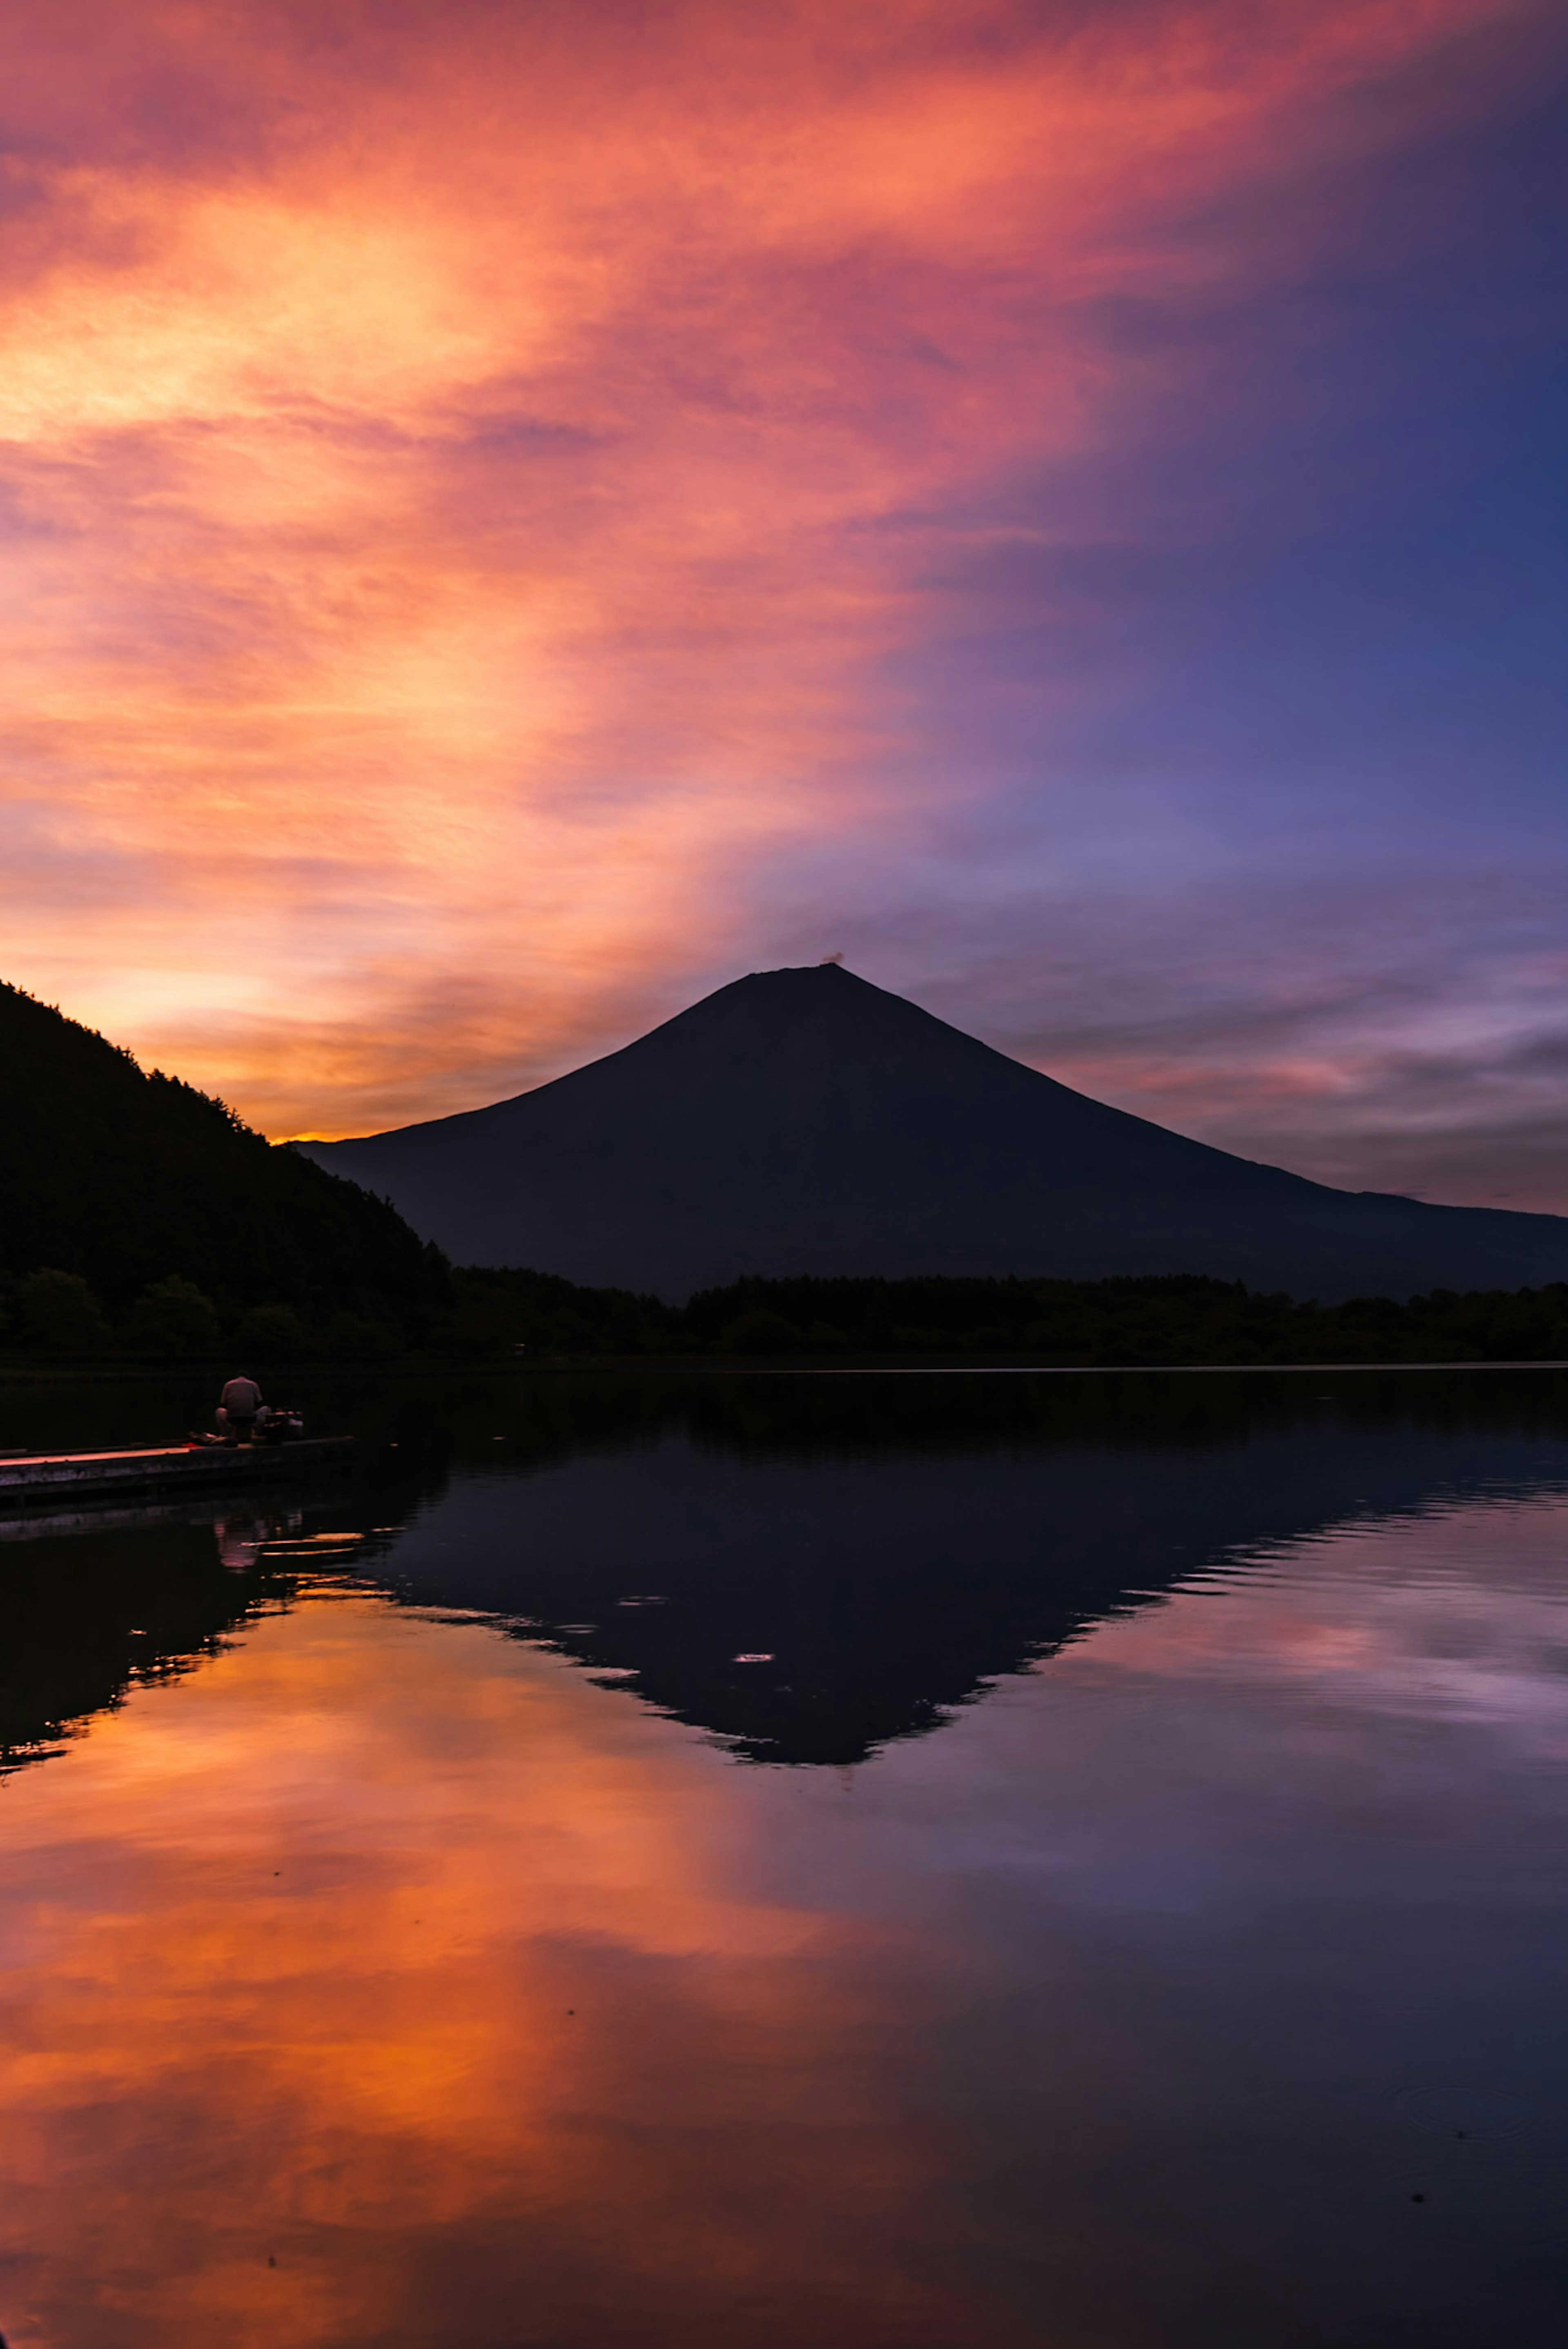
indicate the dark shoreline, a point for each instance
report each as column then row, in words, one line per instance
column 722, row 1366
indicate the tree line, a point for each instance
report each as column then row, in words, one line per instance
column 1160, row 1320
column 57, row 1315
column 520, row 1317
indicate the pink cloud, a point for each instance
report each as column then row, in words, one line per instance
column 451, row 458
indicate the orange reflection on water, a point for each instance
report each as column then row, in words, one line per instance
column 385, row 1982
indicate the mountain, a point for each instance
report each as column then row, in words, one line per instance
column 887, row 1551
column 803, row 1120
column 125, row 1178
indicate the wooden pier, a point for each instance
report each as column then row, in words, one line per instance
column 28, row 1476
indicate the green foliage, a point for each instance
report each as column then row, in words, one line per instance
column 354, row 1338
column 508, row 1314
column 172, row 1317
column 274, row 1331
column 761, row 1332
column 116, row 1175
column 56, row 1313
column 1157, row 1322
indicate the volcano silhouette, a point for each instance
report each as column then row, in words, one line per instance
column 803, row 1120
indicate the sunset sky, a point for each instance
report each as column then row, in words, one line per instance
column 518, row 513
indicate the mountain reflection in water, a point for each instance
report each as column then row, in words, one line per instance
column 382, row 1966
column 875, row 1587
column 879, row 1551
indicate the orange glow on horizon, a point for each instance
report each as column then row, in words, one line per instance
column 468, row 505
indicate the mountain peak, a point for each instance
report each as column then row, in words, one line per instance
column 804, row 1120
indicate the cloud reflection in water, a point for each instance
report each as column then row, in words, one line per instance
column 385, row 1980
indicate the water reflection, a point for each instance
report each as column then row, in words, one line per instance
column 807, row 1605
column 93, row 1601
column 387, row 1980
column 806, row 1568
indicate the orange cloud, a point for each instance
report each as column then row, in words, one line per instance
column 453, row 460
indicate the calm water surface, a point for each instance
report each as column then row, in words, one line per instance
column 748, row 1863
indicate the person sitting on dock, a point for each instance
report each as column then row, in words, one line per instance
column 240, row 1408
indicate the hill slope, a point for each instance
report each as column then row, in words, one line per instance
column 803, row 1120
column 124, row 1178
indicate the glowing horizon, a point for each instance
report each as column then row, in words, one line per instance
column 517, row 520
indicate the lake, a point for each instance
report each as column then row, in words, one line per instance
column 883, row 1862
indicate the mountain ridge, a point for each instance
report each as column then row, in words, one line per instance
column 121, row 1177
column 804, row 1121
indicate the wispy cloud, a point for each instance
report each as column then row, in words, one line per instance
column 515, row 516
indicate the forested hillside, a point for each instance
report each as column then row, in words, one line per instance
column 1097, row 1323
column 124, row 1179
